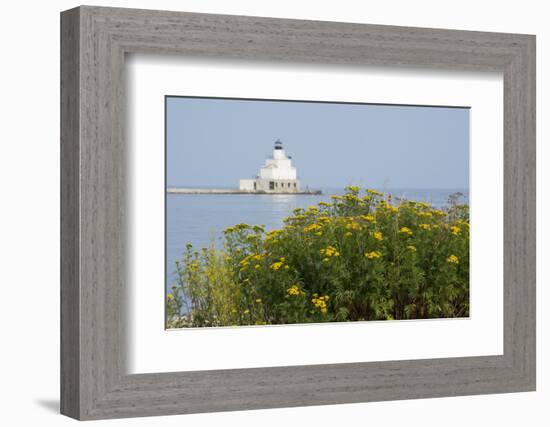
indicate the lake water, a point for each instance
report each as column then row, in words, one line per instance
column 200, row 219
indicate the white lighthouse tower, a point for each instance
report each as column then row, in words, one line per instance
column 276, row 176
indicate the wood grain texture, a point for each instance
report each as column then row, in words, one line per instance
column 70, row 292
column 94, row 382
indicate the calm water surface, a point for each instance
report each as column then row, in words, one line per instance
column 200, row 219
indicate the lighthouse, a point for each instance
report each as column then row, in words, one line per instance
column 276, row 176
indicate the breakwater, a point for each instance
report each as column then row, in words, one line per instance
column 178, row 190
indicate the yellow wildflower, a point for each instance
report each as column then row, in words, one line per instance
column 312, row 227
column 170, row 297
column 259, row 300
column 294, row 290
column 351, row 198
column 352, row 225
column 245, row 260
column 272, row 234
column 452, row 259
column 455, row 230
column 405, row 230
column 373, row 254
column 329, row 251
column 378, row 235
column 411, row 248
column 369, row 218
column 320, row 303
column 424, row 226
column 313, row 209
column 324, row 219
column 276, row 265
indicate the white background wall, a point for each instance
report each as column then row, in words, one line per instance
column 29, row 213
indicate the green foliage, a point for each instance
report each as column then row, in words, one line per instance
column 361, row 257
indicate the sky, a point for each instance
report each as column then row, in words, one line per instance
column 215, row 142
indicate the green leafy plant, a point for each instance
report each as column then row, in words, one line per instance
column 360, row 257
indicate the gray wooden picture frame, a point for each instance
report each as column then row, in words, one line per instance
column 94, row 381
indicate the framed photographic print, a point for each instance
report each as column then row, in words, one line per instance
column 262, row 213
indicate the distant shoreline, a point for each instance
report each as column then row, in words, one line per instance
column 177, row 190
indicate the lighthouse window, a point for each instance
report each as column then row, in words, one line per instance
column 294, row 185
column 271, row 185
column 289, row 185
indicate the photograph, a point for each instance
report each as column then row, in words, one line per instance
column 304, row 212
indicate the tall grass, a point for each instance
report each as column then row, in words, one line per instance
column 362, row 257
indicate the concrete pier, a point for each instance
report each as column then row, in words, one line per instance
column 178, row 190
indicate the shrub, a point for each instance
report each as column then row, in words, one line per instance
column 361, row 257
